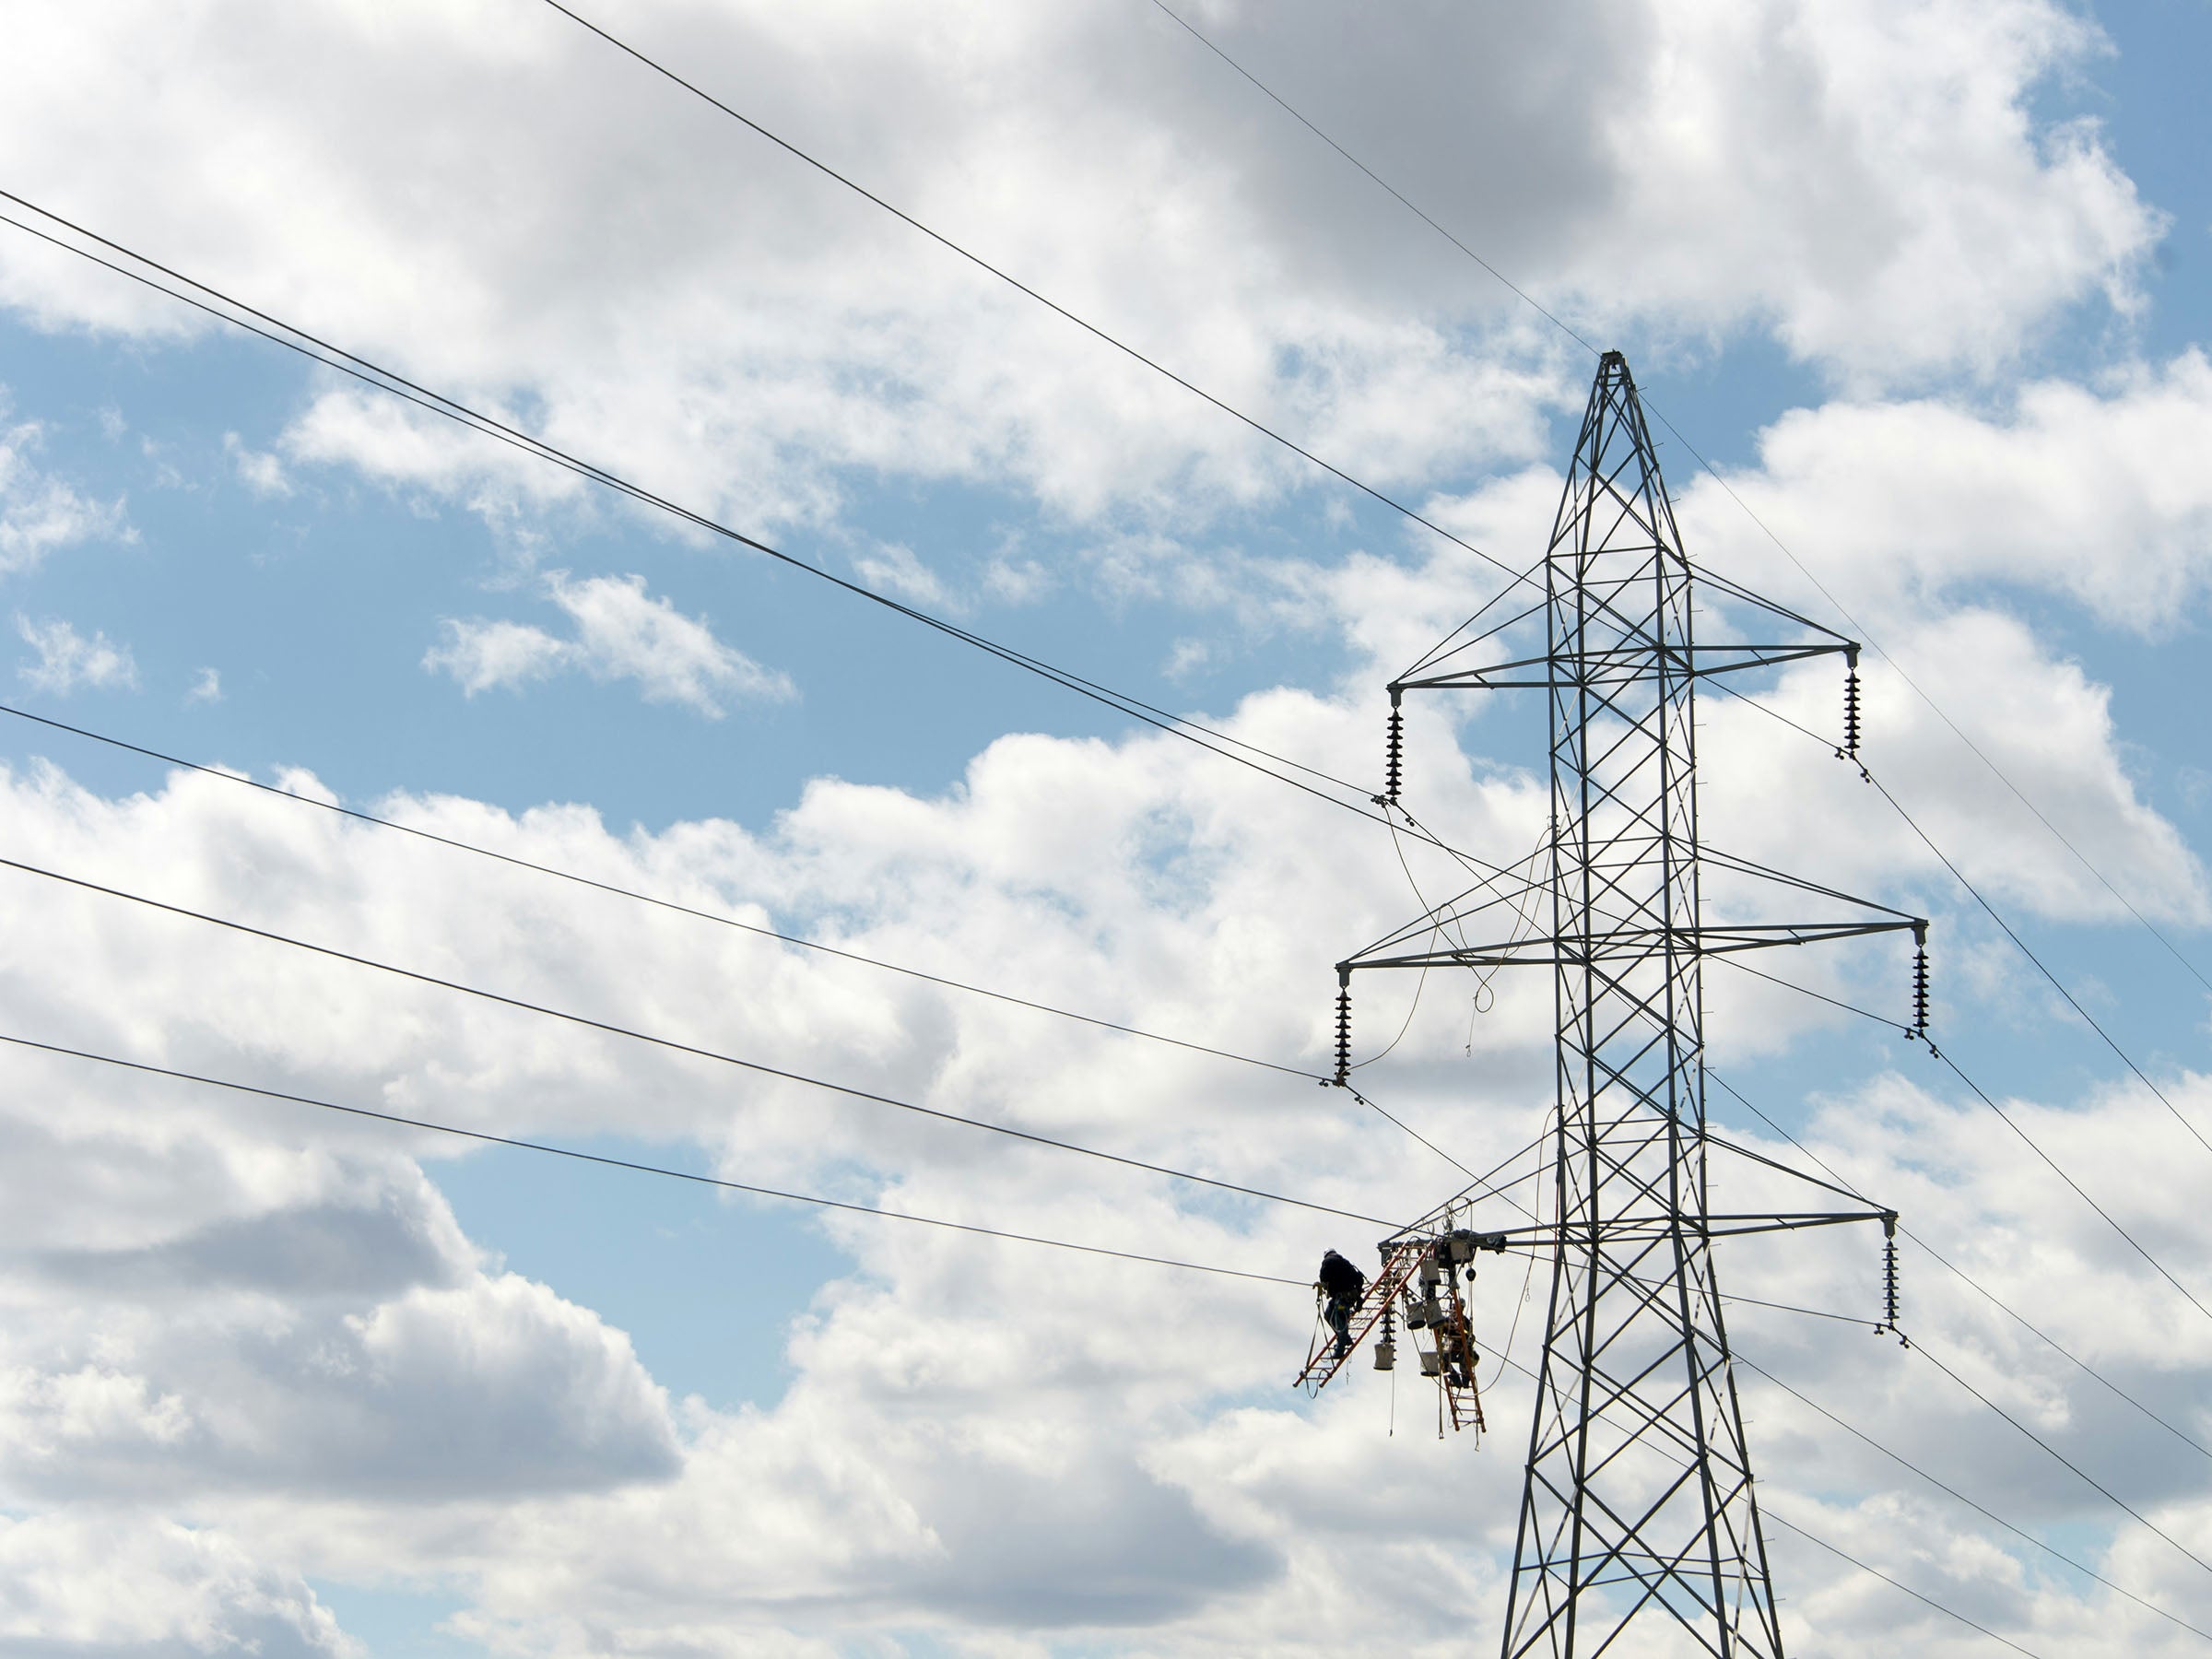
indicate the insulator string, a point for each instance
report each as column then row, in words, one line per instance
column 1850, row 751
column 1889, row 1299
column 1920, row 982
column 1393, row 750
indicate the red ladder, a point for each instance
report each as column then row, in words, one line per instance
column 1322, row 1361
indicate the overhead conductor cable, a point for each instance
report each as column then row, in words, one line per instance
column 369, row 373
column 642, row 1168
column 675, row 1046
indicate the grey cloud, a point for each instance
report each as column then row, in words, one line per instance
column 143, row 1193
column 1491, row 116
column 1100, row 1545
column 495, row 1390
column 327, row 1251
column 1879, row 196
column 868, row 1498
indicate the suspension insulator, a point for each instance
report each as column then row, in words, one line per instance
column 1394, row 752
column 1344, row 1038
column 1889, row 1287
column 1851, row 715
column 1920, row 980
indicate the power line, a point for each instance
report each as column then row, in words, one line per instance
column 642, row 1169
column 1519, row 292
column 2088, row 1019
column 1018, row 285
column 1767, row 1513
column 2033, row 1146
column 1415, row 1133
column 1833, row 1002
column 675, row 1046
column 1956, row 730
column 668, row 904
column 2054, row 1344
column 486, row 1137
column 2042, row 966
column 1001, row 1129
column 1715, row 473
column 2016, row 1423
column 1156, row 1168
column 1754, row 1302
column 2057, row 1456
column 680, row 909
column 996, row 1233
column 1988, row 1515
column 387, row 381
column 1894, row 1583
column 1975, row 1284
column 2078, row 1190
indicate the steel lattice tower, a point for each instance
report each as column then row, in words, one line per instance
column 1638, row 1505
column 1635, row 1346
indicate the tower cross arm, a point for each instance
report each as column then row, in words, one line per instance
column 1627, row 660
column 1627, row 943
column 1661, row 1224
column 1723, row 1227
column 1721, row 937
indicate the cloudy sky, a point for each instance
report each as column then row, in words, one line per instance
column 1925, row 281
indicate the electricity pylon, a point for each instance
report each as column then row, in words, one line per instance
column 1638, row 1506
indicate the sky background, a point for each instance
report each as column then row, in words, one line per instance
column 1925, row 281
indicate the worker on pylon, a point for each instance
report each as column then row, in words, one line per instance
column 1344, row 1284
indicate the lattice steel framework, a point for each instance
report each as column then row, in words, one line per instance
column 1637, row 1506
column 1624, row 1362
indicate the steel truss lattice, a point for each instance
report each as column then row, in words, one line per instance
column 1637, row 1506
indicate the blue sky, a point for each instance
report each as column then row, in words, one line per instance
column 1929, row 290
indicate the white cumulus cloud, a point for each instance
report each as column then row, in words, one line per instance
column 261, row 472
column 481, row 656
column 218, row 1319
column 245, row 1347
column 1873, row 185
column 620, row 633
column 2095, row 494
column 67, row 661
column 101, row 1582
column 40, row 512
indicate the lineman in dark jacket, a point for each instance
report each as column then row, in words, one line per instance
column 1344, row 1284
